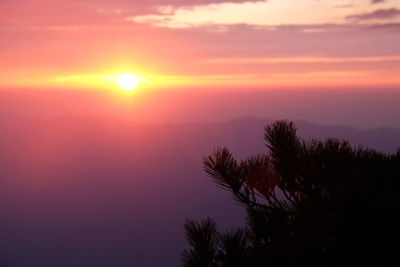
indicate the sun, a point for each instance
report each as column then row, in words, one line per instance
column 128, row 81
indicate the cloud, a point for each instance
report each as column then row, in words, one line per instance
column 264, row 13
column 150, row 5
column 380, row 14
column 377, row 1
column 256, row 13
column 387, row 26
column 278, row 60
column 199, row 2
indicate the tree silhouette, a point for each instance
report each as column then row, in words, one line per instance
column 308, row 203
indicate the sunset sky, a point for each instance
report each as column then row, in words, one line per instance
column 202, row 43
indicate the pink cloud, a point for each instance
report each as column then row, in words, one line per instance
column 377, row 14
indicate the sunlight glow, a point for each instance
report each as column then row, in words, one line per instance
column 128, row 81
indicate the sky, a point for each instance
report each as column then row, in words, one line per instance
column 200, row 43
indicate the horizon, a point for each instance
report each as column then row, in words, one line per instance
column 357, row 108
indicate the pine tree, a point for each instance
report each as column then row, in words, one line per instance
column 308, row 203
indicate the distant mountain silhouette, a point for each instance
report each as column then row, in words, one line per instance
column 358, row 107
column 93, row 191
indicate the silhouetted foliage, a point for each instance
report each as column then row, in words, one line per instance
column 203, row 237
column 309, row 203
